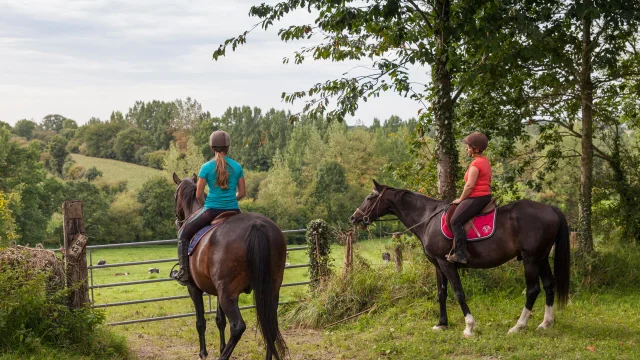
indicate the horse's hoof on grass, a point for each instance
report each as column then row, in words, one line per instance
column 468, row 334
column 545, row 326
column 515, row 329
column 439, row 327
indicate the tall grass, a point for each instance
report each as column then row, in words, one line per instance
column 370, row 286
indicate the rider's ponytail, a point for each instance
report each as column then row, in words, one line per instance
column 222, row 174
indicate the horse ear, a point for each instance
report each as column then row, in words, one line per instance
column 176, row 179
column 377, row 186
column 194, row 178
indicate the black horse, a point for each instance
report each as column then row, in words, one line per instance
column 523, row 228
column 245, row 253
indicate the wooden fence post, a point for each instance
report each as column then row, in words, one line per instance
column 348, row 252
column 398, row 257
column 397, row 250
column 75, row 259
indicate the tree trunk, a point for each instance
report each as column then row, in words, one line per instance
column 628, row 205
column 446, row 150
column 586, row 168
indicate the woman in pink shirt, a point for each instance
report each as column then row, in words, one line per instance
column 475, row 196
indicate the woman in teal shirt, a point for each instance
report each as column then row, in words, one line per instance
column 225, row 178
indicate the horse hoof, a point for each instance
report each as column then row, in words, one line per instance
column 545, row 326
column 515, row 329
column 467, row 334
column 439, row 327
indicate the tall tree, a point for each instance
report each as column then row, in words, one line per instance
column 4, row 125
column 53, row 122
column 58, row 152
column 25, row 128
column 456, row 39
column 589, row 51
column 183, row 163
column 35, row 195
column 156, row 198
column 156, row 118
column 128, row 142
column 188, row 114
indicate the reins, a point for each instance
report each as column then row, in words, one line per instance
column 366, row 217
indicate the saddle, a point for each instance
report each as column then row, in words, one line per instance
column 209, row 228
column 223, row 217
column 491, row 206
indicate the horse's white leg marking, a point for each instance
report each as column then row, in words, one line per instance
column 522, row 322
column 439, row 327
column 471, row 324
column 548, row 318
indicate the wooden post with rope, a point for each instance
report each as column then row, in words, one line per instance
column 348, row 251
column 398, row 252
column 75, row 260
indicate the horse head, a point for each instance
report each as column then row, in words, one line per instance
column 184, row 198
column 373, row 207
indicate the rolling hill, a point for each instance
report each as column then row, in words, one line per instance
column 114, row 170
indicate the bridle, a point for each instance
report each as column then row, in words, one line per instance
column 366, row 216
column 178, row 222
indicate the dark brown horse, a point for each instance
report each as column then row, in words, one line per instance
column 523, row 228
column 247, row 252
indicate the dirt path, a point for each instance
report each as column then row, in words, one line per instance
column 303, row 345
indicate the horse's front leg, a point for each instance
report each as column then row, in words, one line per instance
column 450, row 272
column 443, row 323
column 201, row 323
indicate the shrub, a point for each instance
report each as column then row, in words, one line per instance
column 33, row 315
column 92, row 174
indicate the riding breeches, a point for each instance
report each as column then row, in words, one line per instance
column 199, row 220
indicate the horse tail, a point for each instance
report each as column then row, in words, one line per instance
column 561, row 260
column 266, row 299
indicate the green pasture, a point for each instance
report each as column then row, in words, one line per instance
column 598, row 323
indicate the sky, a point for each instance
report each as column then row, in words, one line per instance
column 87, row 58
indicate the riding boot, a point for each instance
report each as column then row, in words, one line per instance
column 461, row 245
column 183, row 257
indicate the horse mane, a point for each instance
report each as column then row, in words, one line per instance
column 401, row 192
column 188, row 194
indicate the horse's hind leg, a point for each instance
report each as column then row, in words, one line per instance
column 201, row 323
column 450, row 272
column 221, row 321
column 230, row 307
column 548, row 284
column 531, row 275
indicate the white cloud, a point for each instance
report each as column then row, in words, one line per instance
column 88, row 58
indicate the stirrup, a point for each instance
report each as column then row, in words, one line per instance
column 175, row 275
column 452, row 258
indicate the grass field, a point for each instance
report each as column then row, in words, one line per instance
column 114, row 170
column 370, row 249
column 601, row 324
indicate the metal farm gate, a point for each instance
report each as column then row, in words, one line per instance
column 93, row 286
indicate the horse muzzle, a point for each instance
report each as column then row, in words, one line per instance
column 365, row 220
